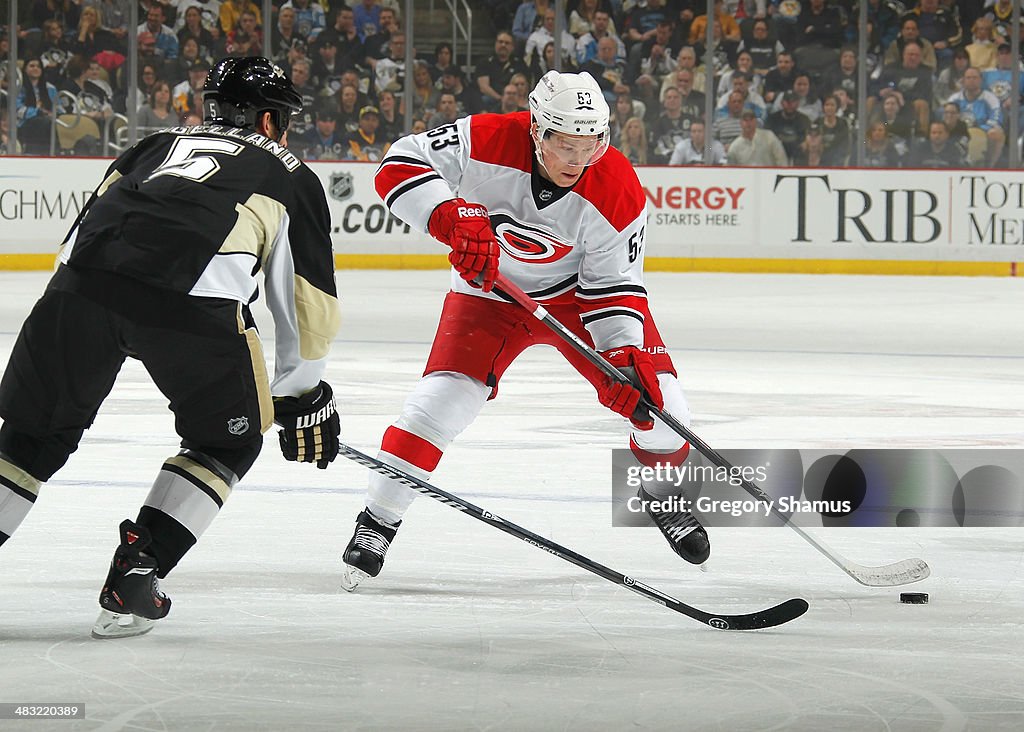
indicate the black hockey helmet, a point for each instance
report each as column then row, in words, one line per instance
column 238, row 90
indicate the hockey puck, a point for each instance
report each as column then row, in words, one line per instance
column 914, row 598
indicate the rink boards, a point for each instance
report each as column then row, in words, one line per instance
column 965, row 222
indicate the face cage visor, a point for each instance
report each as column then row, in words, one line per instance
column 574, row 150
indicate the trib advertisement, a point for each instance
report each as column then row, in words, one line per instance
column 835, row 214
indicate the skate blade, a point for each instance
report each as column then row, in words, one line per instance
column 352, row 578
column 120, row 625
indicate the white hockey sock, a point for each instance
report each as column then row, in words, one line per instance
column 189, row 493
column 441, row 406
column 388, row 500
column 18, row 492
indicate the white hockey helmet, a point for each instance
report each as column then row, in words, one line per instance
column 571, row 104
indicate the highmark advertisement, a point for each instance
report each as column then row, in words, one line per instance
column 695, row 213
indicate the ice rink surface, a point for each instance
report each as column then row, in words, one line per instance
column 469, row 629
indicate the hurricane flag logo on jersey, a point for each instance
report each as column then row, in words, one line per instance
column 526, row 243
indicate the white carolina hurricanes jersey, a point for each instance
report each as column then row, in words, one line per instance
column 557, row 244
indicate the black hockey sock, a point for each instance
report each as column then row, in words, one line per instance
column 171, row 540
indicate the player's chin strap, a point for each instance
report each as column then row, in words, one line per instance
column 539, row 153
column 899, row 573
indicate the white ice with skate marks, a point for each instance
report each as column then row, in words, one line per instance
column 467, row 628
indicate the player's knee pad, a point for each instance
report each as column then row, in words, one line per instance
column 441, row 406
column 663, row 439
column 230, row 463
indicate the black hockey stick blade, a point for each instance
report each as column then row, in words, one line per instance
column 777, row 615
column 903, row 572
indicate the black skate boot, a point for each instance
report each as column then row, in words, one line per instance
column 364, row 555
column 131, row 598
column 682, row 530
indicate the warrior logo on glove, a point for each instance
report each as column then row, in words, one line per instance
column 311, row 420
column 310, row 426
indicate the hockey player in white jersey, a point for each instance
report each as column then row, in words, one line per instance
column 539, row 196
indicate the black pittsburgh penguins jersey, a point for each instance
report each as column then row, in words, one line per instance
column 201, row 210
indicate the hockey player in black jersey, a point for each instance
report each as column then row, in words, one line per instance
column 160, row 266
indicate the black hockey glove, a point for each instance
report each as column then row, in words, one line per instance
column 310, row 426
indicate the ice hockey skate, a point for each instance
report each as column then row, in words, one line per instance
column 364, row 555
column 131, row 598
column 681, row 529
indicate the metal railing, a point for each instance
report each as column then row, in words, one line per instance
column 12, row 75
column 120, row 135
column 460, row 29
column 67, row 105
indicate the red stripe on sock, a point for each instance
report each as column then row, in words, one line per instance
column 654, row 459
column 411, row 448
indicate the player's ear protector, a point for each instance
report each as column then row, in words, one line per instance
column 219, row 111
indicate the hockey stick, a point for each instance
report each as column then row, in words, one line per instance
column 903, row 572
column 777, row 615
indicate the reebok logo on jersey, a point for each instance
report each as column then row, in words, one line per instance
column 310, row 420
column 467, row 211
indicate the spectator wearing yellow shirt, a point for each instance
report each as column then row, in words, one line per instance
column 231, row 12
column 730, row 28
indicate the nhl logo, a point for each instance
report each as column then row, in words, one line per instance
column 340, row 186
column 238, row 425
column 545, row 195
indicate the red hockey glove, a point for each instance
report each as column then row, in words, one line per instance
column 637, row 366
column 466, row 228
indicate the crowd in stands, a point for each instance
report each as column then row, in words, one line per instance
column 784, row 74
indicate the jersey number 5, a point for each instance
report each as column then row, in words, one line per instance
column 188, row 158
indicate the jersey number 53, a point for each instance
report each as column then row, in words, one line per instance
column 444, row 136
column 636, row 243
